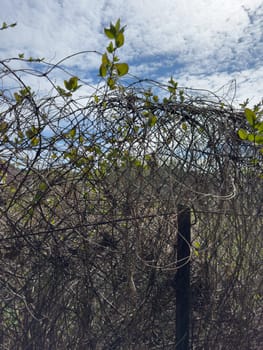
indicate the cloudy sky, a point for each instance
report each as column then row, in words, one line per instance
column 204, row 44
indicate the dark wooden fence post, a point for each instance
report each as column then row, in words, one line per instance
column 182, row 278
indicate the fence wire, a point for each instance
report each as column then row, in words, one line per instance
column 90, row 188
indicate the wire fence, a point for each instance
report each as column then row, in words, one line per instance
column 90, row 188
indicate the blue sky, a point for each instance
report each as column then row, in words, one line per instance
column 204, row 44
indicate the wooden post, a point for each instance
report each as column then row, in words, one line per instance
column 182, row 278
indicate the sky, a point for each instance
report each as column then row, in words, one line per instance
column 215, row 45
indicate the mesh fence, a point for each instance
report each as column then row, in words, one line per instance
column 90, row 188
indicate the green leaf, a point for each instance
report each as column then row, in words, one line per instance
column 184, row 126
column 111, row 83
column 63, row 92
column 110, row 48
column 119, row 41
column 244, row 104
column 37, row 196
column 35, row 141
column 5, row 25
column 113, row 30
column 3, row 126
column 74, row 83
column 20, row 134
column 103, row 70
column 32, row 132
column 42, row 186
column 259, row 139
column 137, row 163
column 243, row 135
column 251, row 116
column 152, row 120
column 72, row 133
column 21, row 55
column 109, row 33
column 118, row 25
column 251, row 137
column 67, row 85
column 197, row 244
column 71, row 84
column 122, row 68
column 259, row 126
column 173, row 82
column 18, row 97
column 26, row 91
column 254, row 161
column 172, row 90
column 104, row 59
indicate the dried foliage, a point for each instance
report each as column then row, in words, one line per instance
column 89, row 193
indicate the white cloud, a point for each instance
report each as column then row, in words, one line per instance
column 203, row 42
column 236, row 87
